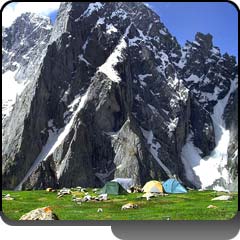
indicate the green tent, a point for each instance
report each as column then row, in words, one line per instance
column 112, row 188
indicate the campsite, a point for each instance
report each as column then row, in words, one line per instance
column 174, row 203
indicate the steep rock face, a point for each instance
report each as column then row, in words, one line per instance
column 111, row 99
column 24, row 45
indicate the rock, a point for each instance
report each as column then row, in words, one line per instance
column 79, row 188
column 103, row 197
column 222, row 198
column 7, row 197
column 99, row 210
column 44, row 213
column 49, row 190
column 212, row 206
column 87, row 198
column 64, row 191
column 129, row 206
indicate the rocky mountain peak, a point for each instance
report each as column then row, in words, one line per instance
column 31, row 18
column 205, row 40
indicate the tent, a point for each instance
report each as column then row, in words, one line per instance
column 173, row 186
column 125, row 182
column 153, row 186
column 112, row 188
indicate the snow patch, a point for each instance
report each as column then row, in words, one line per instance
column 162, row 32
column 173, row 83
column 81, row 58
column 142, row 77
column 196, row 43
column 101, row 21
column 119, row 13
column 110, row 29
column 172, row 125
column 215, row 51
column 11, row 89
column 193, row 78
column 117, row 56
column 91, row 8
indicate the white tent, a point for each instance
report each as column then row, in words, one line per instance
column 125, row 182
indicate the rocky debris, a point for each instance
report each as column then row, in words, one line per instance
column 7, row 197
column 129, row 206
column 44, row 213
column 64, row 191
column 87, row 198
column 222, row 198
column 212, row 206
column 102, row 197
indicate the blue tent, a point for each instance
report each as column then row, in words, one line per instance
column 173, row 186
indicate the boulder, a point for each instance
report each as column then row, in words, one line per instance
column 44, row 213
column 8, row 197
column 212, row 206
column 129, row 206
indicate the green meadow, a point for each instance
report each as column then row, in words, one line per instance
column 190, row 206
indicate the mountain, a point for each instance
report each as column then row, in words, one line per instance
column 23, row 46
column 113, row 94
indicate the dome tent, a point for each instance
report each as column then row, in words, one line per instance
column 173, row 186
column 153, row 186
column 112, row 188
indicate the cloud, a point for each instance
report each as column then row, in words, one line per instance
column 14, row 10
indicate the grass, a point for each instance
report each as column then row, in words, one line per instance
column 190, row 206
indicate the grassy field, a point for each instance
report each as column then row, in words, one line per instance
column 189, row 206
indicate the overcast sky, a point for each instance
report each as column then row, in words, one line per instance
column 183, row 19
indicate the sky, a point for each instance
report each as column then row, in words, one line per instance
column 183, row 19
